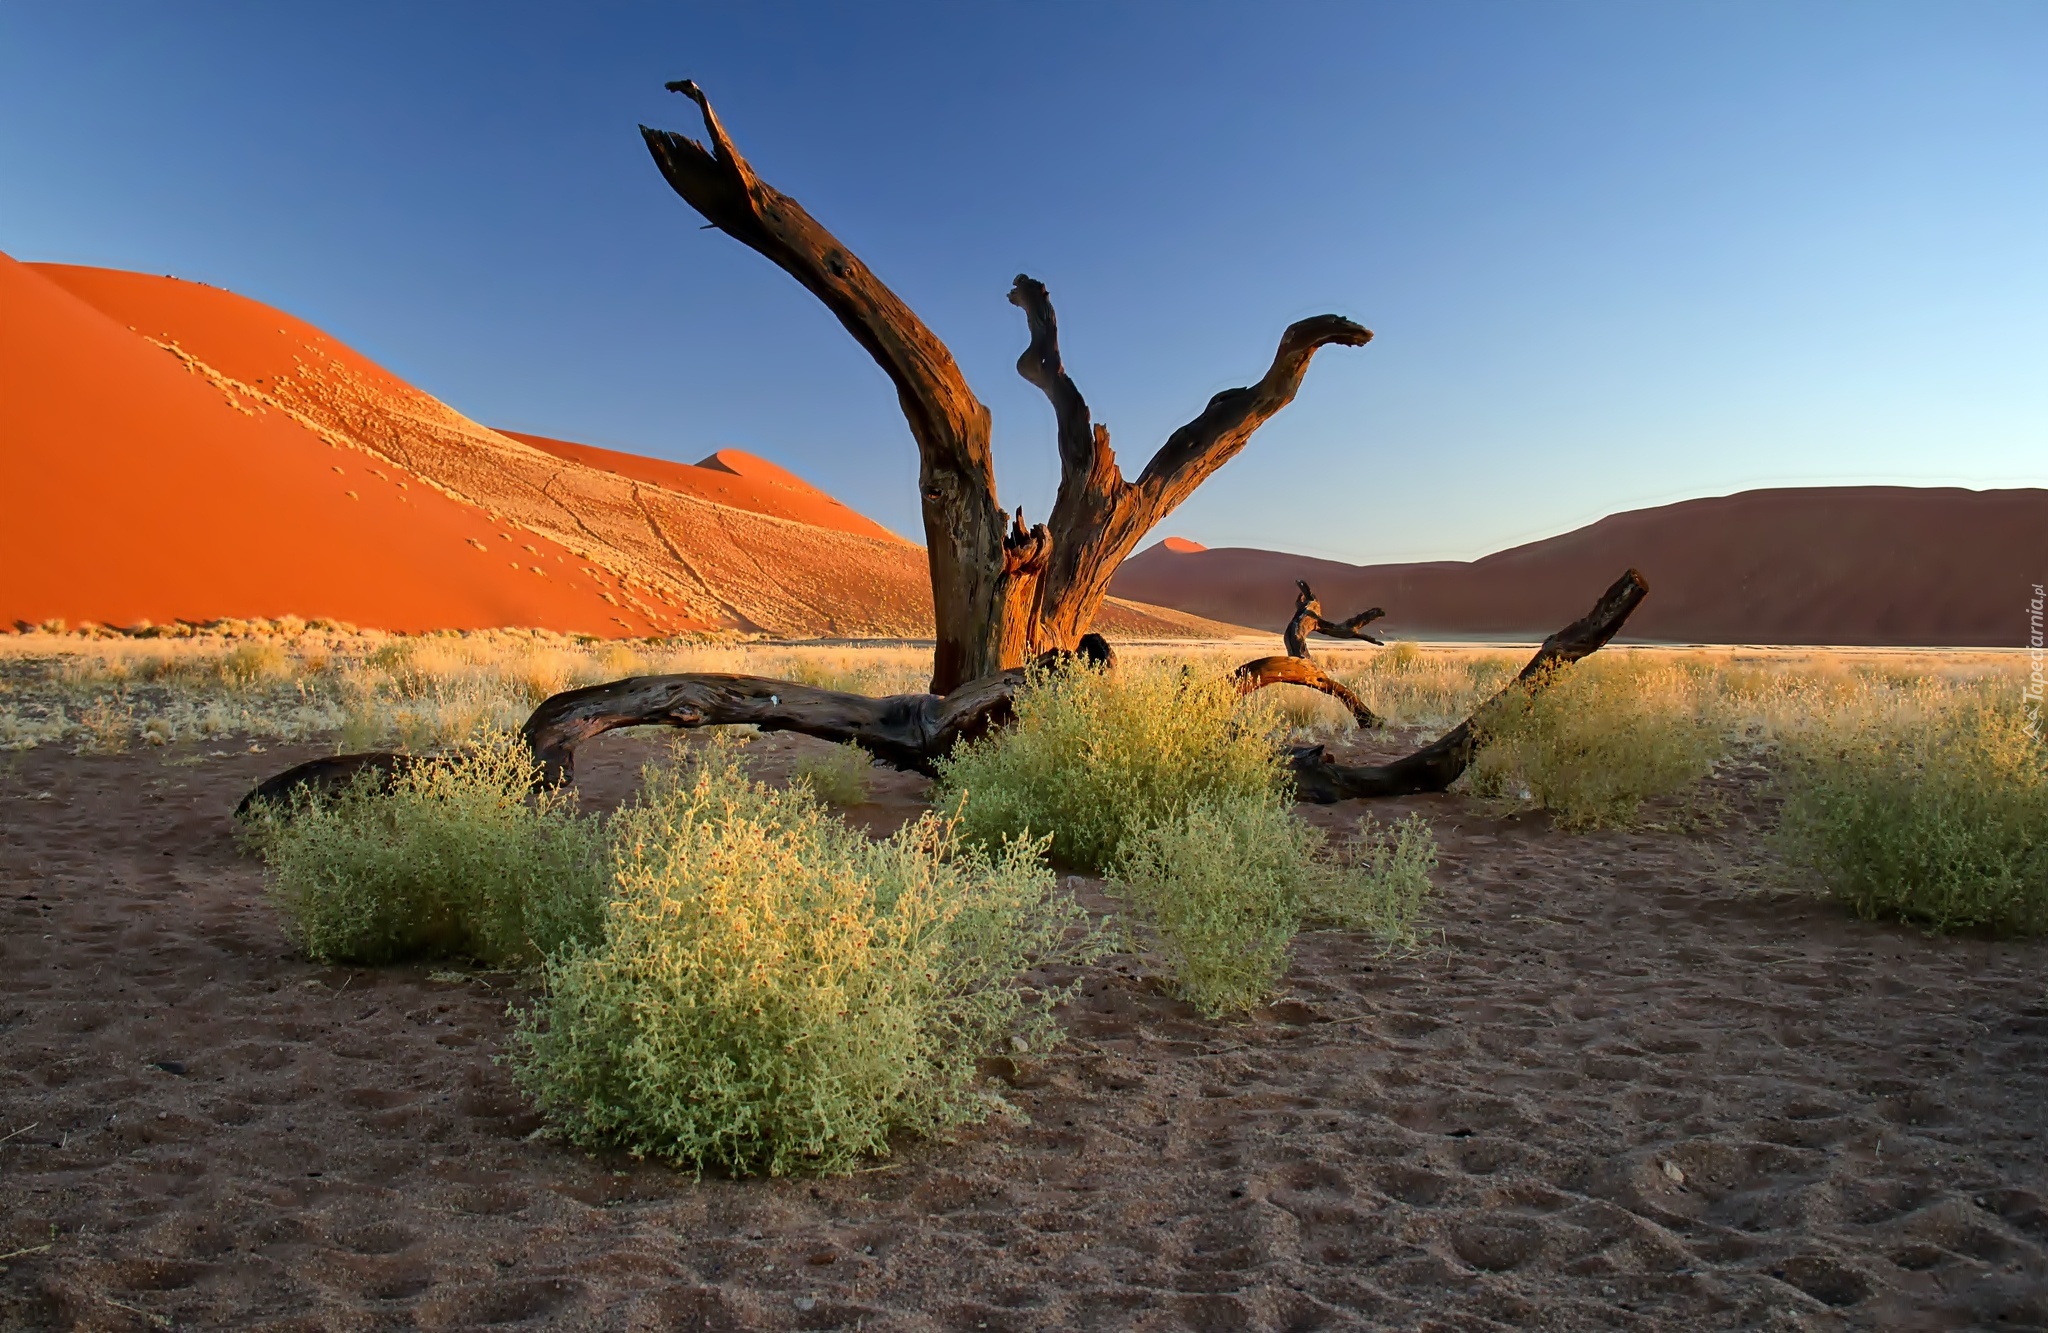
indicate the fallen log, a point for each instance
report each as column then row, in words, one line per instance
column 319, row 776
column 1298, row 667
column 906, row 731
column 1321, row 779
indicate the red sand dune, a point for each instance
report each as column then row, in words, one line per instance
column 138, row 490
column 175, row 445
column 1872, row 565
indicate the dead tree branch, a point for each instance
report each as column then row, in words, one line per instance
column 915, row 731
column 1099, row 516
column 1437, row 765
column 964, row 526
column 999, row 595
column 1298, row 667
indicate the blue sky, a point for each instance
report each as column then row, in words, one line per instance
column 1615, row 254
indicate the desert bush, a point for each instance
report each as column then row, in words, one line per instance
column 776, row 992
column 1227, row 885
column 1936, row 815
column 839, row 776
column 1223, row 883
column 459, row 857
column 1095, row 755
column 1601, row 739
column 1377, row 880
column 107, row 727
column 253, row 662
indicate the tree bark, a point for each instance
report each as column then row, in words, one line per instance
column 1000, row 593
column 1437, row 765
column 1308, row 619
column 1260, row 672
column 1098, row 517
column 1298, row 667
column 909, row 731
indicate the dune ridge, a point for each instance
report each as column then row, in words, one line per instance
column 1842, row 565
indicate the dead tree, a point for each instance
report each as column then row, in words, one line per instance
column 1298, row 667
column 1002, row 591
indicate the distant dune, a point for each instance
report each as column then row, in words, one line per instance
column 174, row 451
column 1872, row 565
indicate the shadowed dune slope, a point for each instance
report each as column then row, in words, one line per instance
column 139, row 489
column 1873, row 565
column 734, row 542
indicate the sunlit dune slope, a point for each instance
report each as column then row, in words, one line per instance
column 729, row 477
column 140, row 489
column 733, row 542
column 1875, row 565
column 690, row 563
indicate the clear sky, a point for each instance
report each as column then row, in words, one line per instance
column 1615, row 254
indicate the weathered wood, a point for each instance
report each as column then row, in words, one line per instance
column 963, row 524
column 1260, row 672
column 321, row 776
column 1437, row 765
column 1298, row 667
column 1308, row 619
column 1098, row 517
column 909, row 731
column 915, row 731
column 1000, row 593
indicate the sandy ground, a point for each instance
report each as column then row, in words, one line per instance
column 1621, row 1092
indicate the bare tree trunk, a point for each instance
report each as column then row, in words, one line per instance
column 1001, row 592
column 963, row 524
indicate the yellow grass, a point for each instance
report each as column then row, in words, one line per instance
column 289, row 680
column 363, row 689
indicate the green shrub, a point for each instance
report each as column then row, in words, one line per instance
column 1223, row 884
column 1377, row 881
column 839, row 776
column 1227, row 885
column 776, row 992
column 1933, row 816
column 1602, row 738
column 1096, row 754
column 458, row 858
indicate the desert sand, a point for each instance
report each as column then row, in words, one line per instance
column 152, row 422
column 1871, row 565
column 1625, row 1089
